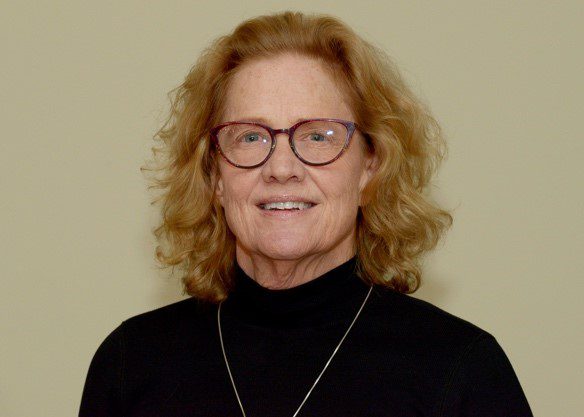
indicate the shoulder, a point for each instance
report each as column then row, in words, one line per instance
column 421, row 329
column 162, row 321
column 459, row 363
column 177, row 320
column 420, row 315
column 146, row 344
column 172, row 313
column 144, row 350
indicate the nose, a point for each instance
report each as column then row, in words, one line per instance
column 283, row 165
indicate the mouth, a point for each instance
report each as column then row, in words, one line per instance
column 286, row 206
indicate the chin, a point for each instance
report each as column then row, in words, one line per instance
column 286, row 250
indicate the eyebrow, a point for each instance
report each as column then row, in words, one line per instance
column 265, row 121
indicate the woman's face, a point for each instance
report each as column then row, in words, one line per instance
column 279, row 92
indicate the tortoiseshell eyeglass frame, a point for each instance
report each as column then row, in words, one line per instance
column 350, row 126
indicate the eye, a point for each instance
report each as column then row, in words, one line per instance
column 317, row 137
column 251, row 137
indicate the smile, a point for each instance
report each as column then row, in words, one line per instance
column 286, row 205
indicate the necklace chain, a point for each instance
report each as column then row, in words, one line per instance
column 319, row 375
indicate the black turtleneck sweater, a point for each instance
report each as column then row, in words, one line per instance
column 403, row 357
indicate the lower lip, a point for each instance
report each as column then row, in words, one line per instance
column 285, row 214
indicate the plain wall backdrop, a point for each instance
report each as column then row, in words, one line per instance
column 83, row 89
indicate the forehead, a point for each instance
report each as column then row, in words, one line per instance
column 287, row 88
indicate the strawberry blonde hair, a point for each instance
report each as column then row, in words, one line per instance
column 396, row 223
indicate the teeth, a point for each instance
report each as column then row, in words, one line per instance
column 286, row 205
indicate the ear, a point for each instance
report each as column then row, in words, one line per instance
column 370, row 167
column 218, row 181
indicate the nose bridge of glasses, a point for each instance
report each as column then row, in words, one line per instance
column 276, row 132
column 285, row 151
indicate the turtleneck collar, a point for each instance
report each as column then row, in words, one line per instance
column 333, row 296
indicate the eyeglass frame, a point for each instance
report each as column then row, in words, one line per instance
column 350, row 126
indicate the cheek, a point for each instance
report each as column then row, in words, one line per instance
column 229, row 186
column 342, row 185
column 235, row 196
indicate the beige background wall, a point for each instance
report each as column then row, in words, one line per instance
column 83, row 89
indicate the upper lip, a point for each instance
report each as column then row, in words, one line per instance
column 283, row 198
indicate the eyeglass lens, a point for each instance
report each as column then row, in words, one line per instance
column 315, row 142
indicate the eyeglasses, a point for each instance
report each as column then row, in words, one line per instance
column 313, row 141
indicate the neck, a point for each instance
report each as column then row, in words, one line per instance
column 329, row 298
column 287, row 273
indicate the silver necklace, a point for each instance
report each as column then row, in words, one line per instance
column 319, row 375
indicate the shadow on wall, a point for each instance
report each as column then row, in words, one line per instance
column 434, row 289
column 167, row 288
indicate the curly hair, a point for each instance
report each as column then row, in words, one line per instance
column 396, row 223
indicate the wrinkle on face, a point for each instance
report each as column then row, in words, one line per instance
column 283, row 253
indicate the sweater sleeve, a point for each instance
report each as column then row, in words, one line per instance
column 102, row 393
column 483, row 383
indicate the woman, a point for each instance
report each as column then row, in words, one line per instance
column 293, row 168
